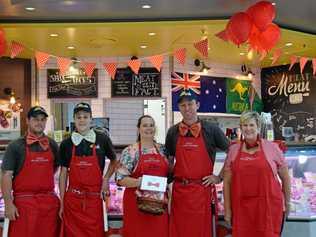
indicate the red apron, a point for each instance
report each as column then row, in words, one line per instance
column 83, row 212
column 34, row 197
column 257, row 200
column 135, row 222
column 190, row 208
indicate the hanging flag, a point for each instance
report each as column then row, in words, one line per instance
column 111, row 69
column 276, row 55
column 180, row 55
column 134, row 65
column 41, row 59
column 237, row 97
column 314, row 65
column 63, row 65
column 88, row 68
column 16, row 49
column 156, row 61
column 293, row 60
column 202, row 47
column 303, row 61
column 210, row 91
column 222, row 35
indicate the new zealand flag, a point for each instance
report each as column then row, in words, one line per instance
column 210, row 91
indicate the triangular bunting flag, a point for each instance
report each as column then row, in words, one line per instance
column 180, row 55
column 303, row 61
column 276, row 55
column 63, row 65
column 111, row 69
column 88, row 68
column 156, row 61
column 293, row 60
column 134, row 65
column 202, row 47
column 16, row 49
column 41, row 59
column 314, row 65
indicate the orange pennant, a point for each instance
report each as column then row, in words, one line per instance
column 303, row 61
column 134, row 65
column 16, row 49
column 202, row 47
column 111, row 69
column 63, row 65
column 314, row 65
column 41, row 59
column 293, row 60
column 276, row 55
column 156, row 61
column 180, row 55
column 88, row 68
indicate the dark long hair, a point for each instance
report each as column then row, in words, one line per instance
column 140, row 121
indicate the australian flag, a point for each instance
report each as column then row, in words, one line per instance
column 210, row 91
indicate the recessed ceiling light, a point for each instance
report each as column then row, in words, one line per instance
column 151, row 33
column 273, row 3
column 30, row 8
column 70, row 47
column 287, row 53
column 146, row 6
column 241, row 54
column 209, row 48
column 69, row 3
column 143, row 46
column 271, row 58
column 288, row 44
column 53, row 35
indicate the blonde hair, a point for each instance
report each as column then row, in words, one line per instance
column 248, row 115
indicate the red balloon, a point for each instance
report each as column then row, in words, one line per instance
column 270, row 37
column 239, row 28
column 262, row 14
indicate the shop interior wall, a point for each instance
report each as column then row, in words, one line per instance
column 124, row 112
column 16, row 74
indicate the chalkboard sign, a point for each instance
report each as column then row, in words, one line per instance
column 72, row 85
column 290, row 97
column 146, row 84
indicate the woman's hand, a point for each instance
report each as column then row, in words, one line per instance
column 11, row 212
column 105, row 190
column 211, row 179
column 228, row 217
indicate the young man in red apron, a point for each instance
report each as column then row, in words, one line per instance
column 83, row 160
column 193, row 144
column 28, row 170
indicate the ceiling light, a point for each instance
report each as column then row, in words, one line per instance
column 143, row 46
column 151, row 33
column 30, row 8
column 69, row 3
column 70, row 47
column 288, row 44
column 286, row 53
column 241, row 54
column 271, row 58
column 273, row 3
column 146, row 6
column 53, row 35
column 209, row 48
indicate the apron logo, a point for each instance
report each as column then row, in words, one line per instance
column 84, row 163
column 40, row 160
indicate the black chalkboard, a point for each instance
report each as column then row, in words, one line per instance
column 127, row 84
column 72, row 85
column 290, row 97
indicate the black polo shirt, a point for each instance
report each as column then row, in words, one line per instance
column 103, row 144
column 14, row 155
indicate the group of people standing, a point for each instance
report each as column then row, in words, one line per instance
column 255, row 200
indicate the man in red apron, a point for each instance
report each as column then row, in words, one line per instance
column 193, row 144
column 83, row 160
column 27, row 183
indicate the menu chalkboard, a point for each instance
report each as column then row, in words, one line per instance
column 72, row 85
column 146, row 84
column 290, row 97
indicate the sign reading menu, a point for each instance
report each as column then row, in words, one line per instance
column 146, row 84
column 290, row 97
column 72, row 85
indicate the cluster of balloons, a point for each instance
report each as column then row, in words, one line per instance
column 3, row 43
column 253, row 26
